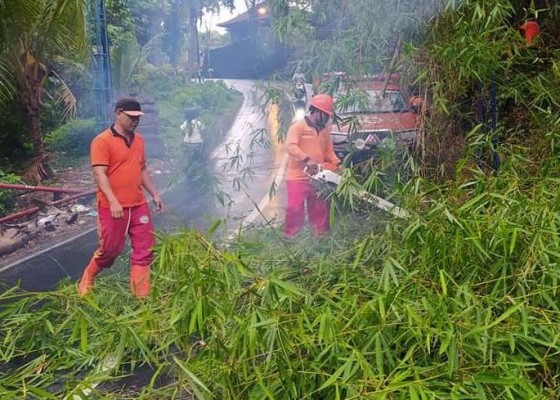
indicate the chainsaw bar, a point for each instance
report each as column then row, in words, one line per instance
column 331, row 177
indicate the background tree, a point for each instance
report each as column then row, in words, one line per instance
column 195, row 9
column 354, row 36
column 175, row 20
column 33, row 33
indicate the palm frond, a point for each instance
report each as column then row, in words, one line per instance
column 128, row 57
column 145, row 51
column 124, row 58
column 8, row 90
column 62, row 26
column 63, row 96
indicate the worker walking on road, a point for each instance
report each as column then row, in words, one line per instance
column 118, row 159
column 193, row 141
column 309, row 146
column 299, row 77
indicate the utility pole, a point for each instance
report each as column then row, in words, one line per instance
column 100, row 61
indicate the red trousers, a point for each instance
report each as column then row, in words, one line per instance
column 136, row 223
column 299, row 193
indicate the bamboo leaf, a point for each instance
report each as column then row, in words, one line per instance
column 200, row 390
column 501, row 318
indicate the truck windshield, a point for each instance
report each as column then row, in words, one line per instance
column 372, row 101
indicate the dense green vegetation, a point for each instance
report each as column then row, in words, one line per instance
column 218, row 105
column 45, row 76
column 212, row 98
column 456, row 302
column 34, row 36
column 459, row 301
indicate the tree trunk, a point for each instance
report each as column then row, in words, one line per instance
column 192, row 48
column 37, row 134
column 35, row 77
column 31, row 83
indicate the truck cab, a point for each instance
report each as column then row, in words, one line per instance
column 371, row 112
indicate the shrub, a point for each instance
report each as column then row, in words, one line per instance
column 72, row 138
column 13, row 134
column 158, row 82
column 7, row 196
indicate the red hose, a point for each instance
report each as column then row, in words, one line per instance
column 33, row 210
column 70, row 198
column 11, row 217
column 38, row 188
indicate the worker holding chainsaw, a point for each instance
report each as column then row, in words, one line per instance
column 310, row 148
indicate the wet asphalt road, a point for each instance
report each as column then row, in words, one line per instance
column 242, row 166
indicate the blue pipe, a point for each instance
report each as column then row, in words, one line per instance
column 100, row 62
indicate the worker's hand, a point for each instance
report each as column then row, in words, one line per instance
column 333, row 167
column 312, row 167
column 158, row 203
column 116, row 209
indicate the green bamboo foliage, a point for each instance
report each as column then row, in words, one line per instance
column 457, row 302
column 352, row 36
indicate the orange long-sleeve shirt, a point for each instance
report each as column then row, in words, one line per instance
column 303, row 141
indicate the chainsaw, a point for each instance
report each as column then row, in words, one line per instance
column 325, row 176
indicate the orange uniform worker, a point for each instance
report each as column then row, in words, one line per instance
column 309, row 144
column 118, row 159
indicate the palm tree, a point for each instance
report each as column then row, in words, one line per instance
column 33, row 35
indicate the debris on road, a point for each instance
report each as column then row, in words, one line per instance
column 79, row 209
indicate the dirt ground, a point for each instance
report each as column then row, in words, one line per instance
column 31, row 234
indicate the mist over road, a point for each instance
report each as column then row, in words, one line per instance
column 242, row 166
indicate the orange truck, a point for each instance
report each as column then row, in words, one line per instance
column 371, row 111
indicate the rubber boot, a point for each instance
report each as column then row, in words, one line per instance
column 140, row 281
column 88, row 278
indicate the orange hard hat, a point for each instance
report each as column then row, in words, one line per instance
column 324, row 103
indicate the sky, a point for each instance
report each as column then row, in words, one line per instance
column 211, row 20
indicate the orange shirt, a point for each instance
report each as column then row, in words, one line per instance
column 125, row 162
column 303, row 141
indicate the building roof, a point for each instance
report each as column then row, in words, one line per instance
column 245, row 17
